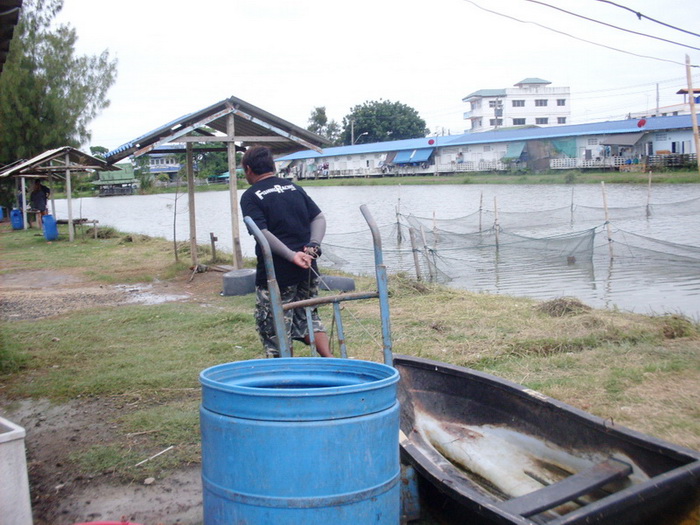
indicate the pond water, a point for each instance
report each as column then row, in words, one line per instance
column 654, row 268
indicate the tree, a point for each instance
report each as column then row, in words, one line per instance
column 48, row 94
column 381, row 121
column 319, row 124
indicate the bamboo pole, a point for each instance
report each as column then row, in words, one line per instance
column 693, row 115
column 414, row 249
column 190, row 201
column 572, row 206
column 481, row 208
column 607, row 218
column 496, row 226
column 427, row 254
column 649, row 197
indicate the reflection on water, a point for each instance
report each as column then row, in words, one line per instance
column 645, row 282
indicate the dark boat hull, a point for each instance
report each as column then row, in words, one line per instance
column 506, row 454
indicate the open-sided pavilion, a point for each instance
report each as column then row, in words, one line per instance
column 231, row 124
column 59, row 163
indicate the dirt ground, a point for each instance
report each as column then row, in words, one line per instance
column 60, row 496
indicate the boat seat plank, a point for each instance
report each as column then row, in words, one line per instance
column 568, row 489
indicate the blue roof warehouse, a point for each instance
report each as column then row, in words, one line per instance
column 617, row 145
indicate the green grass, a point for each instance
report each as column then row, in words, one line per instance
column 641, row 371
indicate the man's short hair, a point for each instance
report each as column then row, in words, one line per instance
column 259, row 159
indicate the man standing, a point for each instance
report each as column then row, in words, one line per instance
column 39, row 198
column 294, row 227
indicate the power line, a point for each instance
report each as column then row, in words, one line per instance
column 640, row 16
column 578, row 38
column 611, row 25
column 681, row 80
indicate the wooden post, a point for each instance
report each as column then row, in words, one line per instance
column 414, row 249
column 607, row 221
column 233, row 192
column 693, row 115
column 481, row 207
column 69, row 202
column 23, row 201
column 53, row 199
column 427, row 255
column 213, row 240
column 572, row 206
column 649, row 197
column 496, row 226
column 190, row 202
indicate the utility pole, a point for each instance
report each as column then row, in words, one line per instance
column 693, row 114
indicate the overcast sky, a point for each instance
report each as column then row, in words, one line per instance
column 289, row 56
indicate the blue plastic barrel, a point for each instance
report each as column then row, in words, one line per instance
column 16, row 219
column 50, row 227
column 300, row 440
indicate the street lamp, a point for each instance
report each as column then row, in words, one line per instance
column 358, row 137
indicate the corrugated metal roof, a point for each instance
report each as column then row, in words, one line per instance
column 593, row 128
column 249, row 121
column 486, row 93
column 532, row 80
column 652, row 124
column 41, row 164
column 374, row 147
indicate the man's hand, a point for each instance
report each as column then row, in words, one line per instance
column 313, row 249
column 302, row 259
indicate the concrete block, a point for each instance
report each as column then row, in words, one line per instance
column 336, row 282
column 14, row 483
column 239, row 282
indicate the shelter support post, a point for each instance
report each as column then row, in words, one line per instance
column 190, row 202
column 69, row 202
column 52, row 195
column 233, row 191
column 23, row 201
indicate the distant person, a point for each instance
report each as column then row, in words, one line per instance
column 39, row 198
column 294, row 227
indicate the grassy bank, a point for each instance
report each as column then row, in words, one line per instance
column 636, row 370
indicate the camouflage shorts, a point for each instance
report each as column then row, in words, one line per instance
column 295, row 320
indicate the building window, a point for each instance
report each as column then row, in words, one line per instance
column 518, row 103
column 487, row 148
column 540, row 102
column 561, row 120
column 496, row 121
column 592, row 142
column 561, row 102
column 542, row 120
column 518, row 122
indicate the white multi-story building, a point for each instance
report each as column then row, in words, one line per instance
column 531, row 102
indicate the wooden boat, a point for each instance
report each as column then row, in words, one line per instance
column 506, row 454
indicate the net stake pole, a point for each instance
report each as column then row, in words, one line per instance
column 495, row 220
column 414, row 249
column 607, row 221
column 481, row 208
column 649, row 197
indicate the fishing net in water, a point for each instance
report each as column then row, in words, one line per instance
column 628, row 244
column 444, row 250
